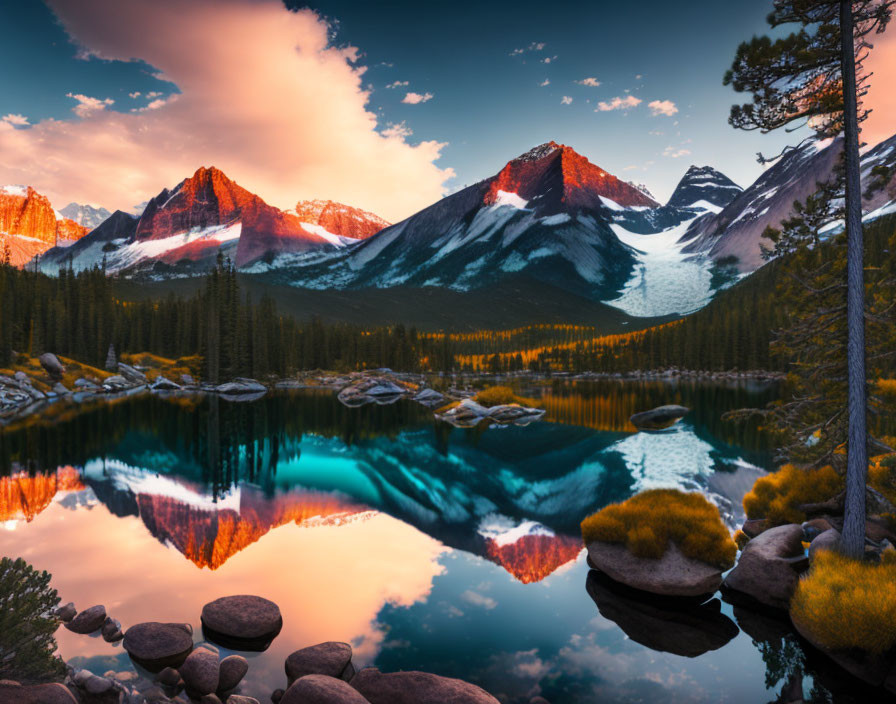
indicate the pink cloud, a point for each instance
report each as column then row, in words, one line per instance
column 86, row 105
column 662, row 107
column 881, row 96
column 417, row 98
column 618, row 103
column 15, row 120
column 263, row 96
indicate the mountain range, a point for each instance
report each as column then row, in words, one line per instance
column 548, row 220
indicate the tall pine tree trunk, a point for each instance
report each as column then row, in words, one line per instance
column 853, row 539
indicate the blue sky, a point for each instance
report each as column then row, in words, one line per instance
column 489, row 101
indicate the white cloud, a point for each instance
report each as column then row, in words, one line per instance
column 15, row 120
column 548, row 59
column 590, row 81
column 153, row 94
column 477, row 599
column 618, row 103
column 545, row 82
column 534, row 46
column 417, row 98
column 397, row 129
column 87, row 105
column 281, row 111
column 662, row 107
column 675, row 152
column 136, row 94
column 398, row 84
column 566, row 100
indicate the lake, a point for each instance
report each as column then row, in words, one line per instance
column 455, row 551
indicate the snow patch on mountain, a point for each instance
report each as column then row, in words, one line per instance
column 666, row 280
column 511, row 199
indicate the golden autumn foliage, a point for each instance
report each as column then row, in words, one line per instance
column 648, row 521
column 775, row 497
column 844, row 603
column 501, row 395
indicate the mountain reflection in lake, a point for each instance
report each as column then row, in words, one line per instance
column 425, row 546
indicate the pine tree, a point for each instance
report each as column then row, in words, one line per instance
column 814, row 76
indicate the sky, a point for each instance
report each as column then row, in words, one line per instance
column 384, row 106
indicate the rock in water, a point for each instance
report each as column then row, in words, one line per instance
column 231, row 671
column 672, row 575
column 51, row 364
column 320, row 689
column 156, row 646
column 416, row 688
column 37, row 694
column 332, row 659
column 200, row 672
column 88, row 621
column 242, row 622
column 659, row 418
column 770, row 565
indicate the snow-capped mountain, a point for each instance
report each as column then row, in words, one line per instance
column 87, row 215
column 29, row 225
column 182, row 230
column 704, row 185
column 546, row 215
column 735, row 233
column 340, row 219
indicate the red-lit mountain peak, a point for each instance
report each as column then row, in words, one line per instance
column 340, row 219
column 531, row 558
column 554, row 177
column 206, row 199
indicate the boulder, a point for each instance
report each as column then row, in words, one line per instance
column 210, row 699
column 60, row 390
column 513, row 413
column 413, row 687
column 770, row 565
column 241, row 386
column 200, row 672
column 829, row 540
column 671, row 575
column 815, row 527
column 132, row 375
column 187, row 380
column 659, row 418
column 88, row 621
column 332, row 659
column 320, row 689
column 163, row 384
column 156, row 646
column 52, row 366
column 110, row 627
column 54, row 693
column 231, row 671
column 115, row 383
column 430, row 398
column 66, row 612
column 241, row 622
column 371, row 389
column 277, row 695
column 96, row 684
column 169, row 677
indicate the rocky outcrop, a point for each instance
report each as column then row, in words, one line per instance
column 671, row 575
column 332, row 659
column 51, row 364
column 770, row 566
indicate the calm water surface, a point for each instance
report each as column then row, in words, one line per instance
column 425, row 546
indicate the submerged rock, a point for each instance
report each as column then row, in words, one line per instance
column 200, row 672
column 413, row 687
column 241, row 386
column 242, row 622
column 659, row 418
column 372, row 389
column 231, row 671
column 671, row 575
column 468, row 413
column 156, row 646
column 163, row 384
column 770, row 565
column 320, row 689
column 88, row 621
column 332, row 659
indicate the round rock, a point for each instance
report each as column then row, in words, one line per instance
column 231, row 671
column 320, row 689
column 240, row 699
column 88, row 621
column 415, row 688
column 332, row 659
column 242, row 622
column 66, row 613
column 156, row 646
column 200, row 672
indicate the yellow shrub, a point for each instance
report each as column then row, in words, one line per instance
column 648, row 521
column 844, row 603
column 776, row 496
column 886, row 387
column 501, row 395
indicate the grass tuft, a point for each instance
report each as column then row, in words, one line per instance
column 500, row 396
column 776, row 496
column 844, row 603
column 647, row 522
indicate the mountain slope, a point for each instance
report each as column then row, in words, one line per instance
column 86, row 215
column 706, row 184
column 340, row 219
column 29, row 225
